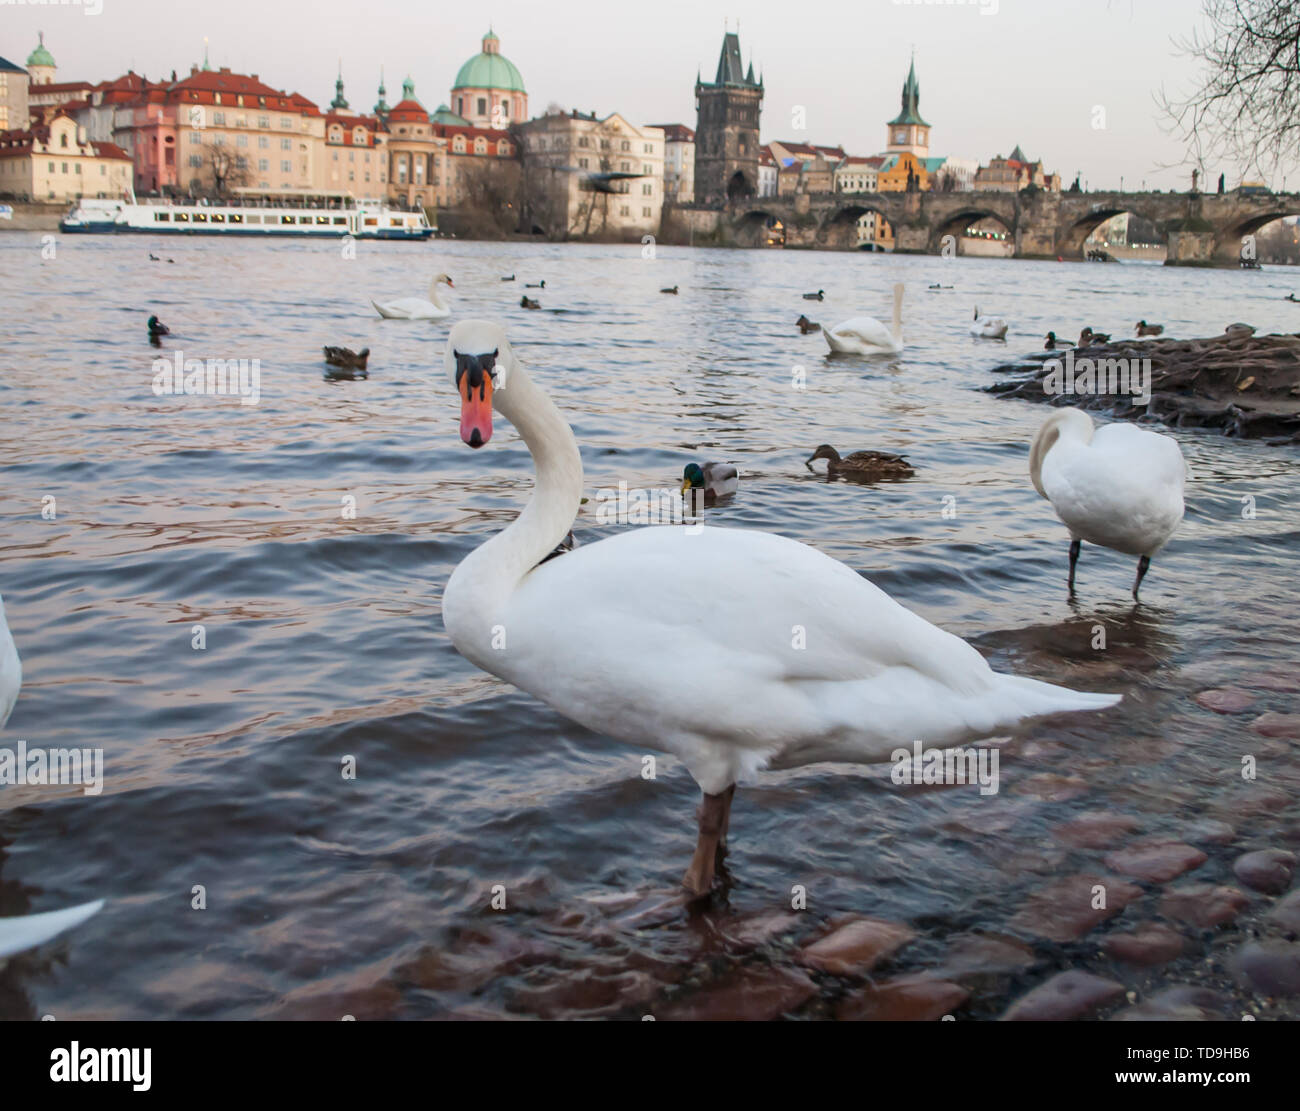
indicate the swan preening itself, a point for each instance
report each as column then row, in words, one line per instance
column 417, row 308
column 988, row 327
column 758, row 652
column 865, row 335
column 1118, row 486
column 28, row 930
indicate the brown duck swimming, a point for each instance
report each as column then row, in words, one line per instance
column 346, row 357
column 805, row 325
column 864, row 466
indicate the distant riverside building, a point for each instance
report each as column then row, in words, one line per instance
column 13, row 95
column 962, row 172
column 212, row 130
column 858, row 175
column 355, row 155
column 726, row 129
column 56, row 162
column 679, row 162
column 435, row 160
column 563, row 154
column 40, row 63
column 1016, row 172
column 805, row 167
column 488, row 91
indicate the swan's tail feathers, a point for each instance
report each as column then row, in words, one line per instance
column 31, row 930
column 380, row 310
column 1032, row 697
column 835, row 343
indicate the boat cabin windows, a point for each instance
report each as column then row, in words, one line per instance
column 340, row 219
column 200, row 217
column 218, row 218
column 251, row 218
column 162, row 217
column 235, row 218
column 182, row 217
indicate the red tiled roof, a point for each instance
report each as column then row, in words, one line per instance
column 110, row 150
column 408, row 111
column 203, row 87
column 61, row 87
column 675, row 132
column 806, row 150
column 349, row 124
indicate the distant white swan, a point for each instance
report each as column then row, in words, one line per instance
column 1118, row 486
column 707, row 669
column 865, row 335
column 988, row 327
column 29, row 930
column 417, row 308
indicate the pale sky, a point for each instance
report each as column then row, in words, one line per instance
column 1031, row 72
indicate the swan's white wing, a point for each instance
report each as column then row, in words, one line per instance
column 1124, row 490
column 733, row 649
column 11, row 669
column 858, row 332
column 31, row 930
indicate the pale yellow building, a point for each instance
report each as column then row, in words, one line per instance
column 586, row 177
column 55, row 162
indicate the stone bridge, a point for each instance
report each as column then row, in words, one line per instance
column 1199, row 228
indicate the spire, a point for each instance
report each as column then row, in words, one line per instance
column 730, row 69
column 381, row 105
column 339, row 103
column 408, row 88
column 911, row 100
column 206, row 68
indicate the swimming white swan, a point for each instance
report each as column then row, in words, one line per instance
column 865, row 335
column 1118, row 486
column 733, row 650
column 29, row 930
column 417, row 308
column 988, row 327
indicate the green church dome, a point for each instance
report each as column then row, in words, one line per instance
column 489, row 70
column 42, row 57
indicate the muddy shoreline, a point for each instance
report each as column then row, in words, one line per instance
column 1239, row 385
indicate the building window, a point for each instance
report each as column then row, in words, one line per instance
column 625, row 210
column 264, row 164
column 647, row 189
column 286, row 144
column 582, row 164
column 582, row 140
column 286, row 121
column 241, row 140
column 263, row 121
column 196, row 160
column 286, row 166
column 195, row 138
column 219, row 119
column 505, row 109
column 645, row 212
column 626, row 145
column 482, row 106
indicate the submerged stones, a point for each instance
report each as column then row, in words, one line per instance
column 1067, row 995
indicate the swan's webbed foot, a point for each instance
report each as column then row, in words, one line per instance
column 1144, row 565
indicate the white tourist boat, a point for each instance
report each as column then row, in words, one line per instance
column 250, row 212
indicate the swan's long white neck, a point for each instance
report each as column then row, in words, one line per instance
column 478, row 591
column 1065, row 424
column 435, row 294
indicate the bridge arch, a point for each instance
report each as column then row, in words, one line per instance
column 865, row 222
column 760, row 227
column 1230, row 244
column 956, row 223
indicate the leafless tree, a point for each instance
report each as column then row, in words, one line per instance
column 222, row 170
column 1246, row 105
column 490, row 209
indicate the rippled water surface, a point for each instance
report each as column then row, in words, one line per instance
column 372, row 896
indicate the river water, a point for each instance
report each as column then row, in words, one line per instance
column 249, row 877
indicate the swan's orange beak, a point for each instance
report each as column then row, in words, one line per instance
column 476, row 409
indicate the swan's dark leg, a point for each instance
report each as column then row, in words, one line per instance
column 1075, row 545
column 727, row 796
column 699, row 876
column 1143, row 564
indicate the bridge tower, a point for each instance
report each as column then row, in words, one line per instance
column 726, row 129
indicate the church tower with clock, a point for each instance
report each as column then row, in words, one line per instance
column 908, row 131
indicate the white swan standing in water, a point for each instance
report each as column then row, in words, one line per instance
column 28, row 930
column 988, row 327
column 417, row 308
column 865, row 335
column 731, row 649
column 1118, row 486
